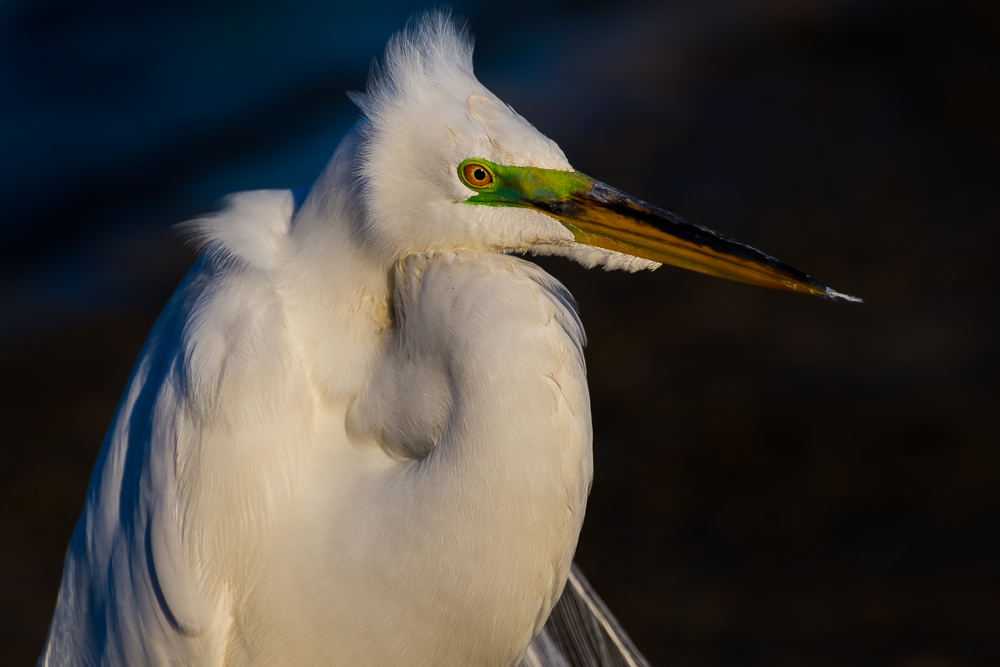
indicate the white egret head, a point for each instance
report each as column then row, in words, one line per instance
column 444, row 164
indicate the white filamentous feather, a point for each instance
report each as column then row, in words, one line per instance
column 581, row 632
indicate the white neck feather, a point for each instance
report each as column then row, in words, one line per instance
column 337, row 283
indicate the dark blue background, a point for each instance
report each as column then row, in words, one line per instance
column 779, row 480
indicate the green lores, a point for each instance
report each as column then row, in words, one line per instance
column 601, row 216
column 518, row 186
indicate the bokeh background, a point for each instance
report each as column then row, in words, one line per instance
column 779, row 480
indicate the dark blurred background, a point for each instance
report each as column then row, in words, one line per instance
column 780, row 480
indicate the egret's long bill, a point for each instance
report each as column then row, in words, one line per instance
column 602, row 216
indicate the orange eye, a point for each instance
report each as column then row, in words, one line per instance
column 476, row 175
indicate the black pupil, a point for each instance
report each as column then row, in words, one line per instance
column 479, row 174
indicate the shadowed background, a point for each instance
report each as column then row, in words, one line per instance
column 780, row 480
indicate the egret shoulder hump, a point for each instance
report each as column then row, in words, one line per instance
column 252, row 228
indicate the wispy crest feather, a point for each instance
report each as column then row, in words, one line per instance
column 432, row 49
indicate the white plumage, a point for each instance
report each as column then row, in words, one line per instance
column 359, row 433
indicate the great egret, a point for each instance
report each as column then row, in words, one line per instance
column 359, row 433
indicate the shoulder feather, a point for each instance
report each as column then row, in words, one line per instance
column 251, row 228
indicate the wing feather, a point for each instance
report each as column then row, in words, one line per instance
column 191, row 465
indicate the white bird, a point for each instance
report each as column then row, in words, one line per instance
column 359, row 433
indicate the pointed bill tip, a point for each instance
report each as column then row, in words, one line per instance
column 835, row 295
